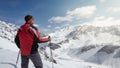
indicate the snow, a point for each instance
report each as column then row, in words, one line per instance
column 6, row 44
column 82, row 46
column 9, row 60
column 96, row 35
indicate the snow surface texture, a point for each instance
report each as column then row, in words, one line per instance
column 82, row 46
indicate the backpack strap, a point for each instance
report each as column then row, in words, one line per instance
column 34, row 29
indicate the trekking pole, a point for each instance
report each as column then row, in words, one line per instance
column 51, row 54
column 18, row 57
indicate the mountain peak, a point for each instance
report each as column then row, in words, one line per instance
column 7, row 30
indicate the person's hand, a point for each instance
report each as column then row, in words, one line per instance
column 49, row 38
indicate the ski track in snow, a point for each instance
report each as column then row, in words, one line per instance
column 9, row 63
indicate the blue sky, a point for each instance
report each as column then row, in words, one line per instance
column 52, row 14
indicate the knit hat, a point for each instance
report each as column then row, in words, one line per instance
column 28, row 17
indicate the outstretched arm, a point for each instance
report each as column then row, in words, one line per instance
column 37, row 37
column 41, row 39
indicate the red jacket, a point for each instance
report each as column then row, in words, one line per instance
column 26, row 37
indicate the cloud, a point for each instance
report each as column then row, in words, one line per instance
column 102, row 1
column 105, row 21
column 36, row 25
column 114, row 9
column 76, row 14
column 57, row 27
column 49, row 26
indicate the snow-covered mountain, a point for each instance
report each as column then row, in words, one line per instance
column 7, row 34
column 7, row 30
column 90, row 34
column 91, row 43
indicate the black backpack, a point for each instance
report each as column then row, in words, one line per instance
column 16, row 40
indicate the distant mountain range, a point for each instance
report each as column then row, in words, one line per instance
column 91, row 43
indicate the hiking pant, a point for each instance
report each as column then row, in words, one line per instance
column 35, row 58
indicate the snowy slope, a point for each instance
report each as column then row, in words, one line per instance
column 9, row 61
column 7, row 34
column 82, row 46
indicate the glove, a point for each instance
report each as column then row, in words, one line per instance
column 49, row 38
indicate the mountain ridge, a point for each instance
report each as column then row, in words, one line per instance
column 8, row 30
